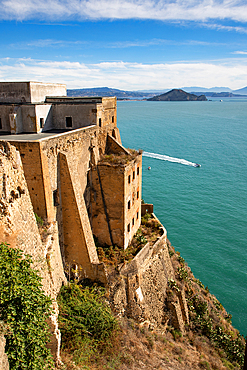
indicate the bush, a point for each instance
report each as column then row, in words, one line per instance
column 85, row 320
column 24, row 308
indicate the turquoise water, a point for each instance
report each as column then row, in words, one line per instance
column 203, row 209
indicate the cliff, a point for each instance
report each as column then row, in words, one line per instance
column 178, row 95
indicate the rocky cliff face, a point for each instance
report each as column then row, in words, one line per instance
column 18, row 228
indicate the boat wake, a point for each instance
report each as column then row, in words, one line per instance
column 170, row 159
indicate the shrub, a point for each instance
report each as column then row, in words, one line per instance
column 85, row 320
column 24, row 308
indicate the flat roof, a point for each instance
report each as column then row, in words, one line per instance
column 40, row 136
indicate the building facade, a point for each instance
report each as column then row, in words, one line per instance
column 79, row 175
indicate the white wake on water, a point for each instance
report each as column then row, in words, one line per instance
column 170, row 159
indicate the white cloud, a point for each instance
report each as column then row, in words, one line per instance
column 240, row 52
column 127, row 76
column 189, row 10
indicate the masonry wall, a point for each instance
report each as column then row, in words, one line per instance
column 132, row 198
column 107, row 199
column 5, row 111
column 19, row 229
column 107, row 112
column 29, row 92
column 82, row 115
column 40, row 90
column 15, row 92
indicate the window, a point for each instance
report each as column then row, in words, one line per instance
column 129, row 204
column 133, row 175
column 129, row 179
column 138, row 171
column 56, row 200
column 112, row 119
column 137, row 214
column 137, row 194
column 1, row 124
column 133, row 221
column 99, row 122
column 41, row 122
column 68, row 121
column 128, row 228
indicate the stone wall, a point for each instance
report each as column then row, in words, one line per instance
column 29, row 92
column 142, row 289
column 18, row 228
column 4, row 364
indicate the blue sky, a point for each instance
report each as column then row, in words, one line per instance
column 125, row 44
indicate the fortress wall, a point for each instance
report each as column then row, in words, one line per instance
column 43, row 114
column 82, row 115
column 107, row 111
column 34, row 164
column 19, row 229
column 29, row 119
column 79, row 245
column 15, row 92
column 39, row 90
column 108, row 204
column 141, row 290
column 5, row 111
column 132, row 198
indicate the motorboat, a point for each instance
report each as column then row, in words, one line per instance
column 197, row 165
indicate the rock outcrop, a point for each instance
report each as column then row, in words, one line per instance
column 178, row 95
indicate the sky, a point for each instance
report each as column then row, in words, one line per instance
column 125, row 44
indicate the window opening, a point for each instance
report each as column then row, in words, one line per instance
column 129, row 179
column 128, row 228
column 112, row 119
column 138, row 171
column 133, row 175
column 68, row 121
column 133, row 221
column 99, row 122
column 129, row 204
column 1, row 124
column 56, row 201
column 137, row 195
column 41, row 122
column 137, row 215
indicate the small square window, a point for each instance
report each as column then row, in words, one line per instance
column 129, row 204
column 128, row 228
column 68, row 121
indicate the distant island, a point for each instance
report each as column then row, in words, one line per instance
column 178, row 95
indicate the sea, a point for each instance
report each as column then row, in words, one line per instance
column 204, row 209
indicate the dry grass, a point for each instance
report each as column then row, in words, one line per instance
column 113, row 256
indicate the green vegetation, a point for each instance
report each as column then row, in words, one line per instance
column 86, row 322
column 24, row 309
column 208, row 318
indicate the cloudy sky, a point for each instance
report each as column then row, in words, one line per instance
column 125, row 44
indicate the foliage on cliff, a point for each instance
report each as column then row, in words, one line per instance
column 208, row 318
column 24, row 309
column 86, row 322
